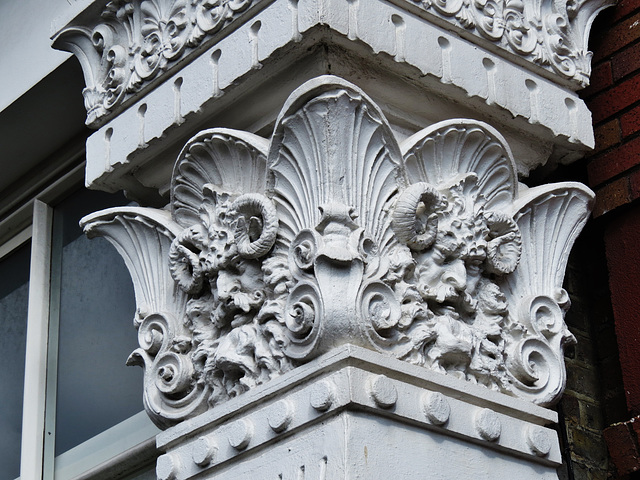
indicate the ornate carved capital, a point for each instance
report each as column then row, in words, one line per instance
column 331, row 233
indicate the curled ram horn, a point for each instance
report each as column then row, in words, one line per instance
column 256, row 217
column 505, row 243
column 415, row 218
column 184, row 258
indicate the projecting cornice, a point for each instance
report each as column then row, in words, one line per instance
column 332, row 232
column 550, row 34
column 128, row 46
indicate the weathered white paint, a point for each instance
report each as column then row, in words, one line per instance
column 467, row 71
column 35, row 381
column 429, row 250
column 353, row 436
column 409, row 235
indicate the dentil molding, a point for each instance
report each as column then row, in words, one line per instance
column 273, row 252
column 130, row 44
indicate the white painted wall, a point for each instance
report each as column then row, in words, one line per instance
column 27, row 56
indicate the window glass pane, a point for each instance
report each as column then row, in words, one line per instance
column 148, row 473
column 14, row 298
column 95, row 389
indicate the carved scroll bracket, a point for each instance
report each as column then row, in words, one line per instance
column 331, row 233
column 132, row 43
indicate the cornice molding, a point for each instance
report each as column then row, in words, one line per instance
column 131, row 44
column 552, row 35
column 331, row 233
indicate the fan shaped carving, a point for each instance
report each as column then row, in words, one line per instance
column 231, row 160
column 332, row 145
column 450, row 148
column 278, row 251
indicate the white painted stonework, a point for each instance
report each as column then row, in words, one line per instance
column 347, row 278
column 150, row 80
column 274, row 253
column 132, row 43
column 363, row 415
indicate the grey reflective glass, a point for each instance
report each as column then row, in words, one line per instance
column 94, row 297
column 14, row 299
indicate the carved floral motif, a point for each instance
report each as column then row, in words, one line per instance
column 331, row 233
column 553, row 35
column 135, row 41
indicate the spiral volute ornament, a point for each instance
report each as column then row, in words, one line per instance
column 304, row 249
column 153, row 333
column 381, row 310
column 543, row 314
column 505, row 243
column 303, row 315
column 174, row 374
column 184, row 259
column 415, row 221
column 252, row 208
column 538, row 372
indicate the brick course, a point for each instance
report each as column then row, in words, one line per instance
column 625, row 62
column 618, row 35
column 614, row 162
column 614, row 99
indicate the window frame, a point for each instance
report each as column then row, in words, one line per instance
column 6, row 249
column 126, row 446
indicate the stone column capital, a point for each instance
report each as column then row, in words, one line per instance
column 331, row 232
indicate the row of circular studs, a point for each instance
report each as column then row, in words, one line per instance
column 322, row 396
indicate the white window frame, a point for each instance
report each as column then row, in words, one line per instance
column 124, row 446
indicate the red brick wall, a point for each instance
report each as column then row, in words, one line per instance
column 622, row 238
column 614, row 99
column 614, row 173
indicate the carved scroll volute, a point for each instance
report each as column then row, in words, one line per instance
column 550, row 218
column 127, row 45
column 143, row 238
column 333, row 168
column 104, row 52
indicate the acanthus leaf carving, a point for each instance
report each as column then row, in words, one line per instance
column 331, row 233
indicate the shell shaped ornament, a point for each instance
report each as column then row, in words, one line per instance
column 276, row 251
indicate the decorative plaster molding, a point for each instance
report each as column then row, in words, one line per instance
column 360, row 398
column 132, row 43
column 332, row 233
column 553, row 35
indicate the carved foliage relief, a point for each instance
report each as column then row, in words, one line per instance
column 553, row 35
column 137, row 40
column 274, row 252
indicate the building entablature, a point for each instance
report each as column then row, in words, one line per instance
column 159, row 65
